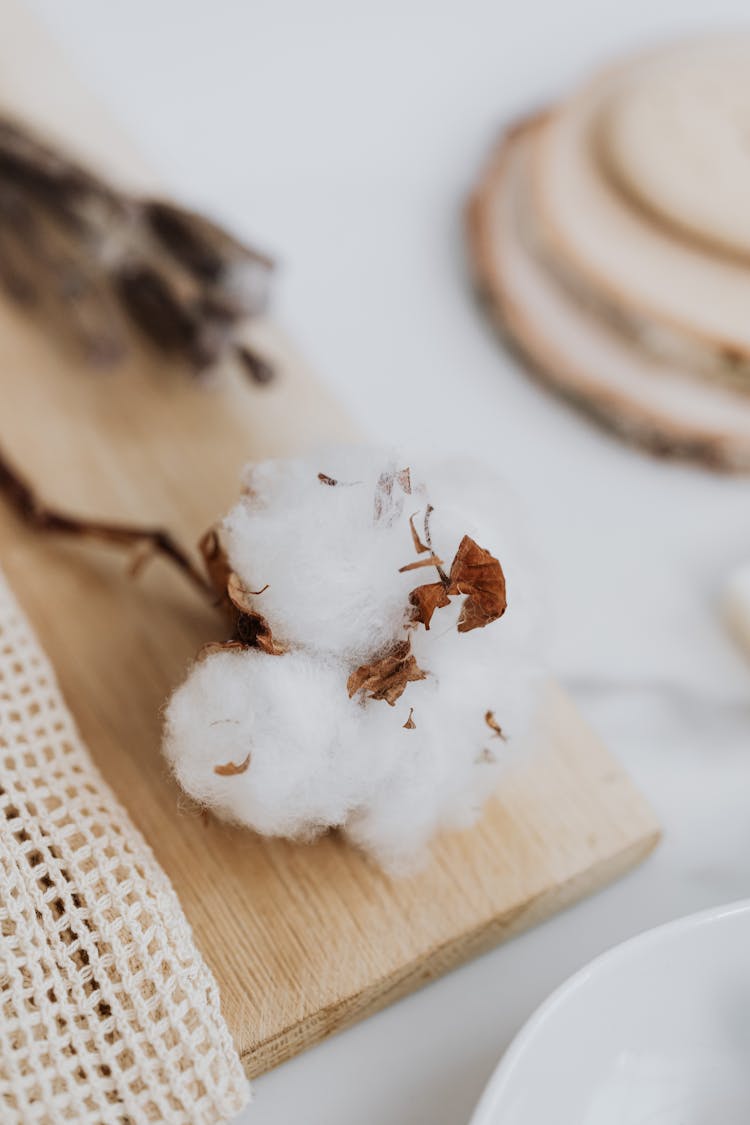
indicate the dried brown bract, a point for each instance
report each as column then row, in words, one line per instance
column 433, row 560
column 253, row 631
column 216, row 562
column 250, row 629
column 478, row 574
column 410, row 724
column 426, row 599
column 387, row 677
column 231, row 769
column 419, row 546
column 493, row 724
column 475, row 573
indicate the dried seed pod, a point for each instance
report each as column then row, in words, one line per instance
column 98, row 262
column 50, row 178
column 204, row 248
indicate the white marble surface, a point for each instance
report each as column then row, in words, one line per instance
column 344, row 136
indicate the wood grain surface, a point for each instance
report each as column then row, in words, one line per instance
column 582, row 349
column 302, row 939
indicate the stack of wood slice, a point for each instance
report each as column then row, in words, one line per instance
column 611, row 239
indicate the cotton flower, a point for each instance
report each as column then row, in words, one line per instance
column 290, row 742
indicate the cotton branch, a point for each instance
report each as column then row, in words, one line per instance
column 35, row 513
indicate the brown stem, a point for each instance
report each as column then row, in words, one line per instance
column 36, row 514
column 428, row 540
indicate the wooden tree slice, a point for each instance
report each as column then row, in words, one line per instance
column 590, row 227
column 662, row 407
column 674, row 137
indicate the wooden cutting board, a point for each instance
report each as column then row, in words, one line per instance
column 302, row 939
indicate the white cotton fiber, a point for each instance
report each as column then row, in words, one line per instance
column 328, row 555
column 291, row 714
column 331, row 569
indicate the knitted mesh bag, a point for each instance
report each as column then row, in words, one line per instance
column 108, row 1013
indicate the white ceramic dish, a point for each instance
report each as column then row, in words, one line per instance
column 654, row 1032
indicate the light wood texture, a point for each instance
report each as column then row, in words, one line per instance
column 303, row 940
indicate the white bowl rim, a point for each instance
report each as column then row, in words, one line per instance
column 503, row 1073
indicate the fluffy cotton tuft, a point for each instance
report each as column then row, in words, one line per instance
column 328, row 555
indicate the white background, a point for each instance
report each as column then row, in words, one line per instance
column 344, row 137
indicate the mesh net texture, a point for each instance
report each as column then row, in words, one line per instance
column 108, row 1013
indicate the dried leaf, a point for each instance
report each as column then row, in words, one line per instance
column 433, row 560
column 410, row 724
column 419, row 546
column 426, row 599
column 493, row 724
column 479, row 575
column 387, row 677
column 475, row 573
column 231, row 769
column 250, row 627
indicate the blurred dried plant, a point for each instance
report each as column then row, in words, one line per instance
column 101, row 266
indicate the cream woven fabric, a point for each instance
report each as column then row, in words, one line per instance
column 107, row 1010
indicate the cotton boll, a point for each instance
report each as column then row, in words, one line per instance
column 331, row 555
column 452, row 761
column 430, row 775
column 331, row 564
column 292, row 715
